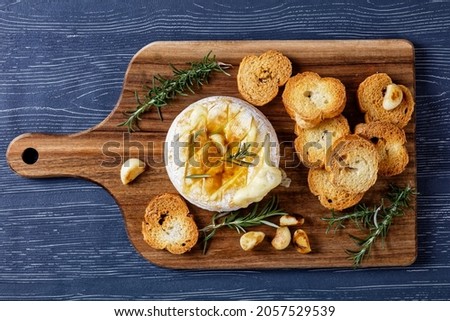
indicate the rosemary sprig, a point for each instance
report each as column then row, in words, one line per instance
column 377, row 220
column 194, row 176
column 360, row 216
column 236, row 220
column 238, row 158
column 164, row 89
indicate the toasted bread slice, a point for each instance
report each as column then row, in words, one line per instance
column 354, row 164
column 300, row 122
column 309, row 99
column 168, row 225
column 330, row 196
column 389, row 140
column 314, row 145
column 259, row 77
column 370, row 99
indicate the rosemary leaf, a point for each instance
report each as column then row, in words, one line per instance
column 241, row 154
column 164, row 89
column 376, row 220
column 193, row 176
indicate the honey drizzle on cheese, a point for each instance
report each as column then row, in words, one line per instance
column 222, row 123
column 212, row 137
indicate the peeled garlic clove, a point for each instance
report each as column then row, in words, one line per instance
column 131, row 169
column 393, row 97
column 290, row 220
column 282, row 238
column 251, row 239
column 301, row 241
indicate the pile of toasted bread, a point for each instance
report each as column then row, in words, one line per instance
column 342, row 165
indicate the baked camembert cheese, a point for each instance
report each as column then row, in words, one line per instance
column 222, row 154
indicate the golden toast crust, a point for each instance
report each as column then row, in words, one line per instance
column 259, row 77
column 389, row 140
column 370, row 96
column 168, row 225
column 309, row 98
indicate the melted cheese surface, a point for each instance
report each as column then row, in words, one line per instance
column 222, row 154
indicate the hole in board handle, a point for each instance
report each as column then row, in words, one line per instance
column 30, row 156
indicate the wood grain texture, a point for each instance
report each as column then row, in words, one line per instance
column 98, row 153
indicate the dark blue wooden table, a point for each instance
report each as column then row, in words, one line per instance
column 62, row 67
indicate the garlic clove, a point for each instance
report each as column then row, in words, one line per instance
column 131, row 169
column 301, row 241
column 290, row 220
column 282, row 238
column 393, row 97
column 251, row 239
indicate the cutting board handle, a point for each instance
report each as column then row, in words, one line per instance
column 40, row 155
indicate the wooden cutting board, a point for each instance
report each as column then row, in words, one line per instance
column 97, row 153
